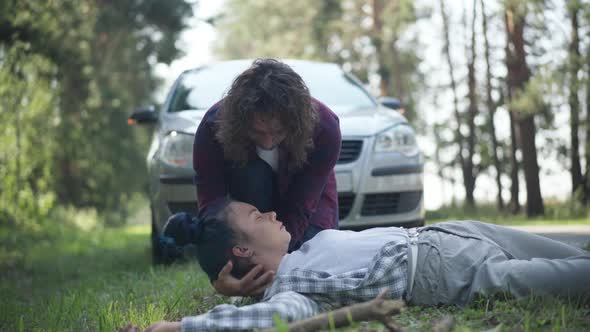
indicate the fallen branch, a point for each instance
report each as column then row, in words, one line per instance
column 376, row 309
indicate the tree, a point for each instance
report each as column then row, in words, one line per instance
column 574, row 102
column 491, row 105
column 469, row 171
column 586, row 196
column 521, row 105
column 514, row 204
column 395, row 60
column 363, row 36
column 290, row 29
column 465, row 160
column 72, row 71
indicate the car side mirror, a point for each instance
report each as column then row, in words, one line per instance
column 390, row 102
column 143, row 115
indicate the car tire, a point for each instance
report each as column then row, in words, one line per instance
column 162, row 254
column 155, row 239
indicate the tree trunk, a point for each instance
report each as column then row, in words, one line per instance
column 514, row 204
column 446, row 50
column 399, row 90
column 377, row 40
column 469, row 172
column 534, row 205
column 18, row 133
column 70, row 174
column 574, row 102
column 518, row 76
column 586, row 198
column 491, row 106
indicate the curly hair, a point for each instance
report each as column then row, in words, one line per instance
column 271, row 88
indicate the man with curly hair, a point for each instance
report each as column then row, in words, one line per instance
column 272, row 145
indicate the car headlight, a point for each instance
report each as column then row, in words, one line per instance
column 177, row 149
column 399, row 138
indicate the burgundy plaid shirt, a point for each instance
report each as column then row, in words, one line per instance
column 307, row 195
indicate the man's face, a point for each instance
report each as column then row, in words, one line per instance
column 262, row 231
column 267, row 131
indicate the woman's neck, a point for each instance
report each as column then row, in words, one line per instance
column 270, row 261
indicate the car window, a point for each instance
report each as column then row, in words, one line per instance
column 201, row 88
column 333, row 87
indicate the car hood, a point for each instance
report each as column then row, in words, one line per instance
column 353, row 121
column 366, row 121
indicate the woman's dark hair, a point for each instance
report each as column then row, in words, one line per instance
column 272, row 88
column 213, row 236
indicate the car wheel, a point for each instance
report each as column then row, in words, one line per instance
column 163, row 254
column 156, row 246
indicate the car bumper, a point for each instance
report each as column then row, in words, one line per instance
column 378, row 189
column 383, row 200
column 373, row 190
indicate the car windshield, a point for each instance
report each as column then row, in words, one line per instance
column 201, row 88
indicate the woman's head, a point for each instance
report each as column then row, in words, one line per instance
column 268, row 104
column 230, row 231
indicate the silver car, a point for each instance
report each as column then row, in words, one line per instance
column 379, row 173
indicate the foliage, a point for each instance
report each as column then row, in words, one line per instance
column 61, row 278
column 25, row 168
column 334, row 31
column 70, row 72
column 286, row 32
column 533, row 98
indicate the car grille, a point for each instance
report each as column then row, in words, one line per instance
column 345, row 201
column 390, row 203
column 350, row 151
column 190, row 207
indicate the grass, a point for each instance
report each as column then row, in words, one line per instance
column 56, row 277
column 555, row 214
column 72, row 280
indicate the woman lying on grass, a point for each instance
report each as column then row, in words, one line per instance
column 446, row 263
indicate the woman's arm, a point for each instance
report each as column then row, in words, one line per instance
column 208, row 164
column 289, row 306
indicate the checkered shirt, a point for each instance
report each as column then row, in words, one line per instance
column 300, row 294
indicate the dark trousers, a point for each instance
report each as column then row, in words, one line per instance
column 256, row 184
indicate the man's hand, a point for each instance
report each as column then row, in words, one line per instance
column 249, row 285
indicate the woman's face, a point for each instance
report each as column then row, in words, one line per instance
column 262, row 231
column 267, row 131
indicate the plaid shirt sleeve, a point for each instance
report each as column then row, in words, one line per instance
column 388, row 269
column 289, row 306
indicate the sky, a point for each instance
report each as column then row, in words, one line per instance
column 197, row 42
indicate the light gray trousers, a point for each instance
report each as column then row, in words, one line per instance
column 459, row 259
